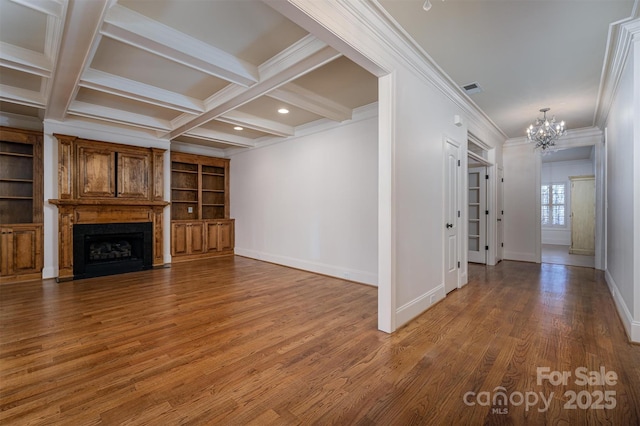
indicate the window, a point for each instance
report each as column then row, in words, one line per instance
column 553, row 199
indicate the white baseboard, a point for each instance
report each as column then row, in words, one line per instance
column 49, row 272
column 523, row 257
column 631, row 327
column 415, row 307
column 306, row 265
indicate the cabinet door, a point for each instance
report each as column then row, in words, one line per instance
column 21, row 248
column 212, row 236
column 225, row 235
column 6, row 251
column 96, row 168
column 197, row 243
column 133, row 175
column 187, row 238
column 179, row 243
column 27, row 250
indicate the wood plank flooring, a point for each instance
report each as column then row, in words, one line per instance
column 235, row 341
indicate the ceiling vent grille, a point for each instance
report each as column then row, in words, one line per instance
column 472, row 88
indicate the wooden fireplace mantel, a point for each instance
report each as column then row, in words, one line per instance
column 103, row 182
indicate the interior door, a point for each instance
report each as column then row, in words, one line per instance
column 499, row 216
column 583, row 215
column 451, row 215
column 477, row 217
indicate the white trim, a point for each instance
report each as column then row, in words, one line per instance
column 523, row 257
column 362, row 277
column 387, row 257
column 417, row 306
column 619, row 41
column 630, row 326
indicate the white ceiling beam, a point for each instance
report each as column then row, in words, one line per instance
column 239, row 118
column 48, row 7
column 139, row 31
column 310, row 101
column 113, row 115
column 24, row 60
column 130, row 89
column 80, row 30
column 295, row 61
column 216, row 136
column 20, row 96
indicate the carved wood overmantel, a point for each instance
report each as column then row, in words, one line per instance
column 100, row 182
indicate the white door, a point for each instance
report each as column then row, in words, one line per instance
column 500, row 213
column 477, row 215
column 451, row 216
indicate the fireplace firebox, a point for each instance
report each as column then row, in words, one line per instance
column 111, row 248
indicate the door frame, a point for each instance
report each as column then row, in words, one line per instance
column 457, row 219
column 599, row 172
column 483, row 218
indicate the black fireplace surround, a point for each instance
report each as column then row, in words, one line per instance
column 111, row 248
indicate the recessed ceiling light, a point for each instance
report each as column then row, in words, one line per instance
column 283, row 111
column 238, row 128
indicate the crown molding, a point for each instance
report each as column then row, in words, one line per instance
column 369, row 36
column 99, row 130
column 8, row 119
column 97, row 112
column 621, row 36
column 573, row 138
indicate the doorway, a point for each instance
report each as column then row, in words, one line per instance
column 559, row 227
column 451, row 215
column 477, row 214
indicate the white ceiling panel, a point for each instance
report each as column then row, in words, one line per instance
column 20, row 79
column 250, row 30
column 22, row 26
column 139, row 65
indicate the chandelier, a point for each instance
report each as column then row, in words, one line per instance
column 544, row 132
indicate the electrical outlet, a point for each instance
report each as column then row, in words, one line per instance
column 189, row 209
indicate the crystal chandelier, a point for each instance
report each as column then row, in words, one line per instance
column 544, row 132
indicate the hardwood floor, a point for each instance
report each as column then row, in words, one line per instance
column 237, row 341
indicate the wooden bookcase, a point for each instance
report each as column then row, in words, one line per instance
column 200, row 223
column 21, row 204
column 199, row 187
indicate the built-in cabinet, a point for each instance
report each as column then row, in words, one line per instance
column 200, row 225
column 21, row 205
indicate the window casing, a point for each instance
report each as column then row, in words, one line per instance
column 552, row 201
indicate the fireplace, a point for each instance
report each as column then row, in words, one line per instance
column 111, row 248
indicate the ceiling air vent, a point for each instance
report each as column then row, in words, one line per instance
column 472, row 88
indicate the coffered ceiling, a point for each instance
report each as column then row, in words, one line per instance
column 193, row 70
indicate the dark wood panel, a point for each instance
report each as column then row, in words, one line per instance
column 237, row 341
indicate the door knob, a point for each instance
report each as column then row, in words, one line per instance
column 449, row 225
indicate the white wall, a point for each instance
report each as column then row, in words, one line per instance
column 521, row 213
column 559, row 172
column 623, row 191
column 424, row 118
column 310, row 202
